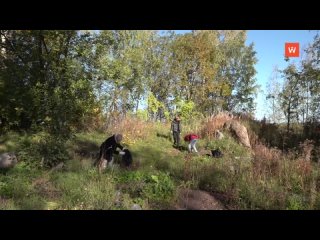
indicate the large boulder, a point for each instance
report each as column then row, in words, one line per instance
column 239, row 131
column 189, row 199
column 8, row 160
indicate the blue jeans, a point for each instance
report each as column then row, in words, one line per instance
column 192, row 145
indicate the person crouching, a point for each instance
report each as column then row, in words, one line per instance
column 107, row 149
column 192, row 139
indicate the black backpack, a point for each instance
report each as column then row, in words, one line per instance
column 127, row 158
column 216, row 153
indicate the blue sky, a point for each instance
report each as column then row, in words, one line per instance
column 269, row 45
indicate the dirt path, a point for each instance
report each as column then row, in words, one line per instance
column 197, row 200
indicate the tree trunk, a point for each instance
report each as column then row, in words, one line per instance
column 289, row 115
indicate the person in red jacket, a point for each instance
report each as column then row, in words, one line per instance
column 192, row 139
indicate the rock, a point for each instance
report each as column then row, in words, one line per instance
column 239, row 130
column 219, row 135
column 8, row 160
column 198, row 200
column 136, row 207
column 118, row 199
column 58, row 167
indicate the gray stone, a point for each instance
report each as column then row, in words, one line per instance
column 198, row 200
column 8, row 160
column 219, row 135
column 239, row 131
column 136, row 207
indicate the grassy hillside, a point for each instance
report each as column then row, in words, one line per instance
column 263, row 179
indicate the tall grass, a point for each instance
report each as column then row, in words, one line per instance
column 267, row 179
column 132, row 129
column 211, row 124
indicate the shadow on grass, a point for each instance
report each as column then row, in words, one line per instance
column 31, row 203
column 3, row 139
column 164, row 136
column 155, row 157
column 212, row 180
column 86, row 148
column 181, row 148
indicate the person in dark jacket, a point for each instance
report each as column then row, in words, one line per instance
column 176, row 130
column 107, row 149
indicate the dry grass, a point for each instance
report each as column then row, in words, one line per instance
column 266, row 160
column 213, row 123
column 266, row 154
column 272, row 162
column 45, row 188
column 306, row 148
column 132, row 129
column 303, row 168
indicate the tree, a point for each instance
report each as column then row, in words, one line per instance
column 273, row 94
column 44, row 78
column 120, row 63
column 215, row 70
column 290, row 96
column 311, row 76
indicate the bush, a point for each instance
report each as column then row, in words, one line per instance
column 44, row 150
column 15, row 187
column 160, row 187
column 156, row 187
column 53, row 151
column 296, row 202
column 40, row 149
column 142, row 115
column 216, row 180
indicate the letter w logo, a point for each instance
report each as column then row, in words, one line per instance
column 292, row 50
